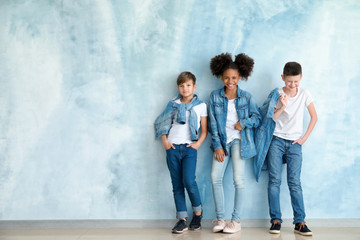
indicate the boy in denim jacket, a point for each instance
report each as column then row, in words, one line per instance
column 178, row 126
column 286, row 145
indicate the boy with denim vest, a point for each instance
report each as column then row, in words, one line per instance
column 178, row 126
column 286, row 145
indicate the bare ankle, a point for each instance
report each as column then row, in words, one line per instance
column 198, row 213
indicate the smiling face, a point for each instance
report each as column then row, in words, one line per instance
column 231, row 78
column 187, row 88
column 292, row 82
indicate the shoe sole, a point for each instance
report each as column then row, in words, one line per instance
column 304, row 234
column 195, row 229
column 217, row 230
column 224, row 231
column 274, row 231
column 178, row 232
column 231, row 232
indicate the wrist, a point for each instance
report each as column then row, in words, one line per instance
column 242, row 123
column 166, row 143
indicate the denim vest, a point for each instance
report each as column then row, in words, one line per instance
column 163, row 122
column 249, row 118
column 264, row 133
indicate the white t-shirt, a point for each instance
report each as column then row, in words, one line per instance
column 231, row 120
column 180, row 133
column 289, row 124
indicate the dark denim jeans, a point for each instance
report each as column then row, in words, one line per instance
column 279, row 149
column 181, row 162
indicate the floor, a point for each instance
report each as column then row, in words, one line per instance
column 320, row 233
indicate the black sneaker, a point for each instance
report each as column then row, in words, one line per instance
column 180, row 227
column 302, row 229
column 195, row 222
column 275, row 227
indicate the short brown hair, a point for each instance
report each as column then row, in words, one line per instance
column 292, row 69
column 184, row 77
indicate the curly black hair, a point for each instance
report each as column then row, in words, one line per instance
column 245, row 65
column 222, row 62
column 219, row 63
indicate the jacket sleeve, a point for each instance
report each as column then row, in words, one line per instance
column 272, row 99
column 212, row 126
column 254, row 119
column 163, row 121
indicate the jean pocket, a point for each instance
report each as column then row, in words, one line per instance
column 192, row 148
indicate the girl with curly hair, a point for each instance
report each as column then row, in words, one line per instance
column 233, row 116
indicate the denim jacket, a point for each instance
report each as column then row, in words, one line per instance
column 163, row 122
column 249, row 118
column 264, row 133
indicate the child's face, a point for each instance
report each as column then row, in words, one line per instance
column 231, row 78
column 292, row 82
column 187, row 88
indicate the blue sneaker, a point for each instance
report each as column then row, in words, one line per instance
column 275, row 227
column 302, row 229
column 180, row 227
column 195, row 222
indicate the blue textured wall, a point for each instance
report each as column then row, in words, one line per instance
column 81, row 83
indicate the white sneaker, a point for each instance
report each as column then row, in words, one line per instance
column 232, row 227
column 220, row 224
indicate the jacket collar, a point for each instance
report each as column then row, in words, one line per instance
column 239, row 92
column 179, row 97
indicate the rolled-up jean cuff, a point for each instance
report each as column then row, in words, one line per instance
column 182, row 214
column 196, row 209
column 279, row 220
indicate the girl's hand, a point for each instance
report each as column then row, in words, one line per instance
column 238, row 126
column 168, row 145
column 219, row 155
column 283, row 99
column 194, row 145
column 300, row 141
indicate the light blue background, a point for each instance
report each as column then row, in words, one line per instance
column 81, row 83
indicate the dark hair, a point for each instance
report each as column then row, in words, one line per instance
column 292, row 69
column 185, row 76
column 222, row 62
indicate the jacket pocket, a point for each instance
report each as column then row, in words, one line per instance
column 243, row 111
column 219, row 108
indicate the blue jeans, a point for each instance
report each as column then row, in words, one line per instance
column 181, row 162
column 279, row 149
column 217, row 175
